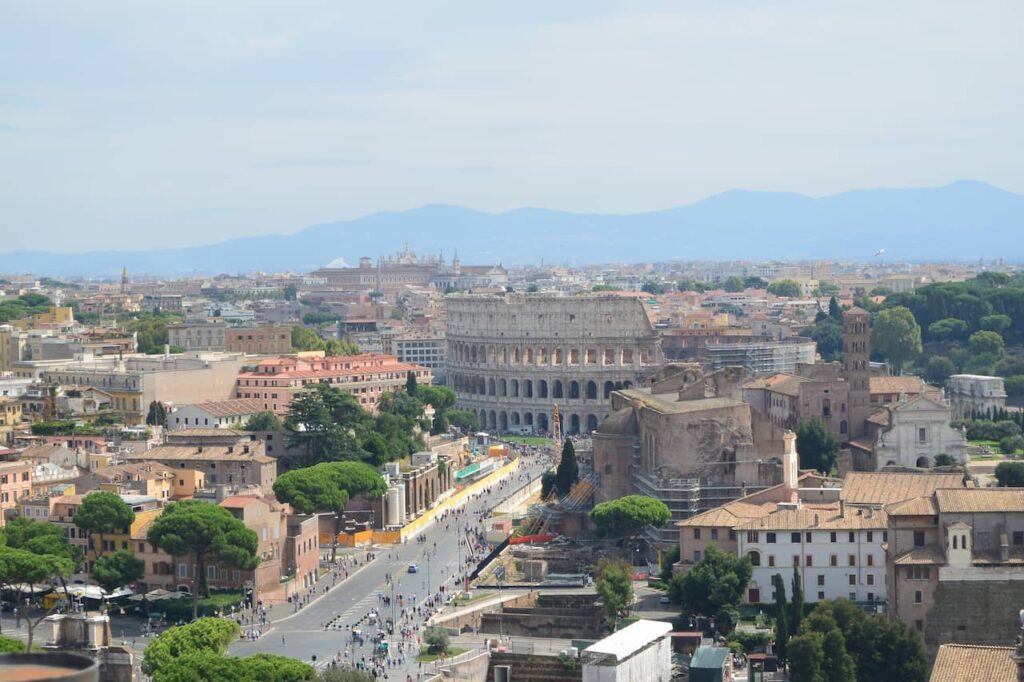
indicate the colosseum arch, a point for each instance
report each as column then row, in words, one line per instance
column 528, row 418
column 528, row 388
column 609, row 386
column 502, row 421
column 472, row 354
column 515, row 356
column 490, row 387
column 542, row 388
column 592, row 422
column 481, row 386
column 591, row 390
column 502, row 387
column 528, row 356
column 556, row 389
column 514, row 388
column 542, row 422
column 574, row 390
column 515, row 419
column 574, row 424
column 492, row 421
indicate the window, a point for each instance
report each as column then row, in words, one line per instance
column 696, row 533
column 833, row 560
column 871, row 578
column 714, row 533
column 852, row 560
column 821, row 581
column 182, row 570
column 922, row 435
column 871, row 536
column 771, row 559
column 796, row 559
column 853, row 596
column 918, row 596
column 831, row 537
column 771, row 538
column 752, row 536
column 1018, row 537
column 696, row 556
column 852, row 578
column 919, row 538
column 810, row 560
column 807, row 537
column 871, row 559
column 755, row 558
column 871, row 596
column 732, row 534
column 919, row 624
column 794, row 538
column 211, row 572
column 821, row 596
column 853, row 537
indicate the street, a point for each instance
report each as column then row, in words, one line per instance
column 302, row 635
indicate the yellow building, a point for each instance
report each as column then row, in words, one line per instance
column 10, row 418
column 55, row 316
column 145, row 513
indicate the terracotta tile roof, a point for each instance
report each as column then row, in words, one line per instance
column 906, row 384
column 917, row 506
column 819, row 518
column 869, row 487
column 238, row 501
column 194, row 454
column 229, row 408
column 728, row 515
column 930, row 555
column 881, row 417
column 971, row 663
column 980, row 500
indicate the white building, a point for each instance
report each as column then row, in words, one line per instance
column 836, row 548
column 428, row 351
column 198, row 335
column 215, row 414
column 912, row 432
column 970, row 393
column 641, row 652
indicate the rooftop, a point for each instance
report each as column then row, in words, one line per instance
column 968, row 500
column 201, row 454
column 972, row 663
column 629, row 640
column 820, row 518
column 228, row 408
column 669, row 403
column 871, row 487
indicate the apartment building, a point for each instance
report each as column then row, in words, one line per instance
column 268, row 339
column 15, row 484
column 275, row 381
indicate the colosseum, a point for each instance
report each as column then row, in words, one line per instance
column 512, row 357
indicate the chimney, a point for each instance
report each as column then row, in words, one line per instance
column 790, row 466
column 815, row 521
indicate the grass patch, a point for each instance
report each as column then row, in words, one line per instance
column 451, row 651
column 527, row 440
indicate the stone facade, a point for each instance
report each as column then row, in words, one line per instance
column 511, row 358
column 972, row 393
column 912, row 433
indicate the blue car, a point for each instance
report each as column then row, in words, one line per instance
column 413, row 568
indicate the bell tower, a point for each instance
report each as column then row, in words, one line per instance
column 856, row 367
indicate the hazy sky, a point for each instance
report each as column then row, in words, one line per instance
column 140, row 124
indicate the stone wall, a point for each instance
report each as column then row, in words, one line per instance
column 974, row 612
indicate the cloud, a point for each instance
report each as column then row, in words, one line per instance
column 311, row 163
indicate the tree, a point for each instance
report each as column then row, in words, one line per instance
column 208, row 534
column 615, row 587
column 988, row 343
column 291, row 292
column 896, row 336
column 834, row 311
column 322, row 423
column 939, row 369
column 806, row 655
column 464, row 420
column 785, row 288
column 568, row 471
column 838, row 664
column 157, row 415
column 436, row 639
column 996, row 323
column 1010, row 474
column 117, row 570
column 948, row 329
column 205, row 635
column 653, row 288
column 816, row 445
column 715, row 582
column 1009, row 445
column 547, row 484
column 102, row 513
column 781, row 617
column 410, row 382
column 210, row 667
column 263, row 421
column 828, row 335
column 733, row 284
column 944, row 460
column 796, row 613
column 326, row 489
column 628, row 515
column 339, row 674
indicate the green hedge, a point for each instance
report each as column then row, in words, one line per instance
column 175, row 609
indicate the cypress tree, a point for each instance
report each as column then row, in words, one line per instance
column 568, row 471
column 797, row 608
column 781, row 619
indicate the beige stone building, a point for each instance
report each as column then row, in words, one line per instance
column 512, row 357
column 955, row 564
column 269, row 339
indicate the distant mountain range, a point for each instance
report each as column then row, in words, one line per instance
column 963, row 220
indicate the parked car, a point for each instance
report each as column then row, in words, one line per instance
column 413, row 568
